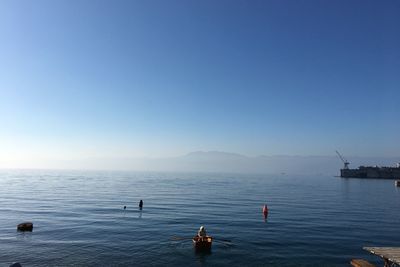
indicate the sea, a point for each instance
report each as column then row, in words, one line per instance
column 79, row 218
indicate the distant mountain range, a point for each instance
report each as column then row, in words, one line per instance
column 216, row 161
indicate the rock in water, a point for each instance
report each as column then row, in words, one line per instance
column 26, row 226
column 16, row 264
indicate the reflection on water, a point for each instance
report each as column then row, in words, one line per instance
column 201, row 256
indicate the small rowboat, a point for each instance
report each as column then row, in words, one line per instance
column 202, row 243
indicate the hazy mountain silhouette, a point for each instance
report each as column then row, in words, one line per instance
column 217, row 161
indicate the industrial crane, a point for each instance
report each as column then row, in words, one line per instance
column 346, row 163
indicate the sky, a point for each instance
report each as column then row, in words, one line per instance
column 111, row 79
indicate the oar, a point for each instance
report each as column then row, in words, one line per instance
column 223, row 241
column 226, row 244
column 220, row 239
column 177, row 238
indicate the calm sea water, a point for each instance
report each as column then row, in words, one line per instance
column 79, row 218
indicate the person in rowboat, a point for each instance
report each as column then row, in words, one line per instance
column 202, row 232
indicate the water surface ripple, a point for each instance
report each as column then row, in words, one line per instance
column 79, row 218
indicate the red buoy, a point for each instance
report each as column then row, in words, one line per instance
column 265, row 211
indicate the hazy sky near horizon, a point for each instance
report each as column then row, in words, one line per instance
column 122, row 78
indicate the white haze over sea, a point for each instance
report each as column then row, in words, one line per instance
column 214, row 161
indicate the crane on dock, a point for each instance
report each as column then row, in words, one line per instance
column 346, row 163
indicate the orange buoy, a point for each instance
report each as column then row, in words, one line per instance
column 265, row 210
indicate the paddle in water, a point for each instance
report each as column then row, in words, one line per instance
column 178, row 238
column 181, row 238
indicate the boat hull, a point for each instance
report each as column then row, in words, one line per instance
column 202, row 244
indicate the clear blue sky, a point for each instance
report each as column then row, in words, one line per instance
column 163, row 78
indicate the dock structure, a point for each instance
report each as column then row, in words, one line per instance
column 372, row 172
column 361, row 263
column 390, row 255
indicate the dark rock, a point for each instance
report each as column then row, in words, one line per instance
column 16, row 264
column 26, row 226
